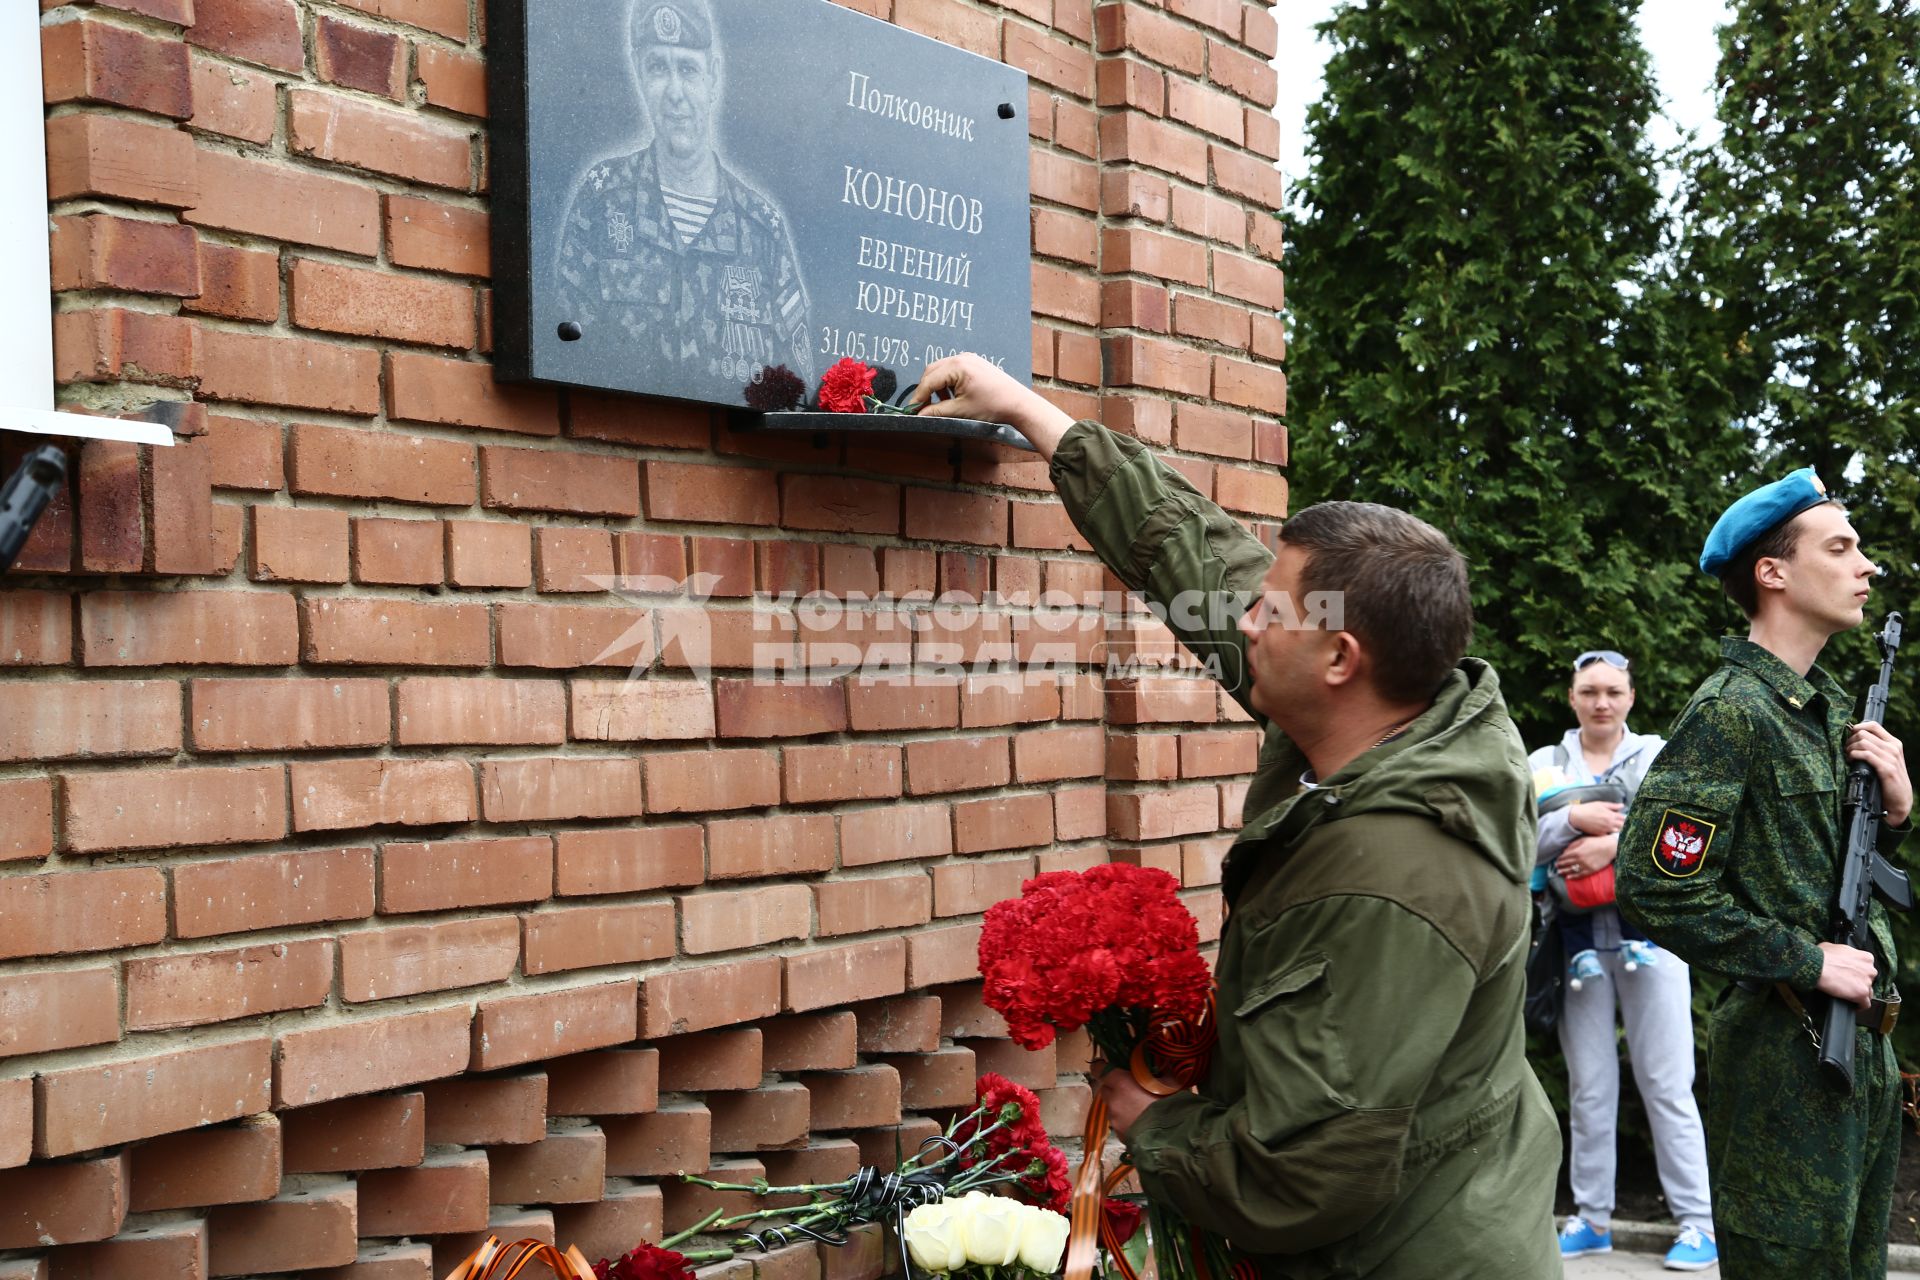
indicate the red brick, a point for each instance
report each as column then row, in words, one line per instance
column 601, row 862
column 895, row 832
column 1160, row 700
column 938, row 1080
column 383, row 1132
column 452, row 710
column 64, row 1203
column 109, row 811
column 839, row 505
column 590, row 937
column 1049, row 60
column 921, row 702
column 26, row 818
column 726, row 564
column 359, row 58
column 937, row 956
column 515, row 1029
column 394, row 632
column 447, row 17
column 578, row 560
column 715, row 995
column 814, row 774
column 274, row 369
column 969, row 888
column 16, row 1122
column 89, row 718
column 100, row 251
column 489, row 554
column 1078, row 813
column 609, row 1228
column 562, row 637
column 91, row 61
column 773, row 1115
column 810, row 1042
column 559, row 480
column 118, row 157
column 869, row 905
column 58, row 1009
column 111, row 345
column 672, row 1140
column 299, row 544
column 1260, row 492
column 841, row 975
column 777, row 845
column 349, row 132
column 219, row 986
column 352, row 463
column 36, row 628
column 705, row 781
column 1156, row 815
column 730, row 1059
column 610, row 1082
column 178, row 1249
column 626, row 420
column 230, row 100
column 957, row 764
column 567, row 1167
column 270, row 891
column 85, row 1108
column 262, row 31
column 866, row 1097
column 547, row 790
column 447, row 1192
column 345, row 1059
column 232, row 1164
column 437, row 237
column 312, row 1226
column 641, row 710
column 338, row 795
column 342, row 299
column 385, row 1262
column 942, row 516
column 454, row 81
column 762, row 709
column 245, row 454
column 381, row 964
column 462, row 393
column 711, row 495
column 687, row 1204
column 744, row 918
column 262, row 197
column 450, row 874
column 398, row 552
column 483, row 1111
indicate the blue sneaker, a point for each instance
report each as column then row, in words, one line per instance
column 1582, row 969
column 1635, row 954
column 1693, row 1251
column 1578, row 1238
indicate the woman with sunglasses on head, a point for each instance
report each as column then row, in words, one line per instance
column 1583, row 784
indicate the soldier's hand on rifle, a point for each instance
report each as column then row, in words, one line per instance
column 978, row 389
column 1872, row 743
column 1597, row 817
column 1587, row 855
column 1846, row 973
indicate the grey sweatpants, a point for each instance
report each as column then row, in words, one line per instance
column 1655, row 1002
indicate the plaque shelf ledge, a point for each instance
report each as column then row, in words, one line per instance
column 888, row 423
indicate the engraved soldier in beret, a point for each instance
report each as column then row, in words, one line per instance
column 1730, row 858
column 691, row 264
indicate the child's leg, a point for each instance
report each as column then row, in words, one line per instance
column 1576, row 933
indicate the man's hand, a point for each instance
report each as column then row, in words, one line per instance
column 1872, row 743
column 1597, row 817
column 1587, row 855
column 1846, row 973
column 978, row 389
column 1125, row 1099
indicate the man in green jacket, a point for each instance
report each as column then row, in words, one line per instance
column 1370, row 1110
column 1730, row 859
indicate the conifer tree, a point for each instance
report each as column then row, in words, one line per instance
column 1482, row 335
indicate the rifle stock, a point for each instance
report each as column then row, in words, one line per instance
column 1863, row 871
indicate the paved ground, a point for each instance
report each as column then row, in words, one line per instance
column 1621, row 1263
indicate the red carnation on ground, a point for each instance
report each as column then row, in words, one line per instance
column 644, row 1262
column 844, row 385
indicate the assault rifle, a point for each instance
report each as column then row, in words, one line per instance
column 25, row 495
column 1863, row 870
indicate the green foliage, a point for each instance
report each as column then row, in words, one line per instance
column 1483, row 335
column 1804, row 228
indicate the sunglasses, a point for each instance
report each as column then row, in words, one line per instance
column 1612, row 657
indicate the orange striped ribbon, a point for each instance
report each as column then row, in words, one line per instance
column 1182, row 1049
column 495, row 1261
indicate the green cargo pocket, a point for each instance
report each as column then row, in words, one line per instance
column 1297, row 1072
column 1780, row 1220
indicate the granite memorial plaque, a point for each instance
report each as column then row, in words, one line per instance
column 690, row 194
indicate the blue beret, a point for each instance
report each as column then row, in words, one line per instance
column 685, row 23
column 1753, row 514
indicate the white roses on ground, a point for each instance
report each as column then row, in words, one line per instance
column 986, row 1231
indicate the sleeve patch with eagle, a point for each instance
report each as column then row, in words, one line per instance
column 1680, row 847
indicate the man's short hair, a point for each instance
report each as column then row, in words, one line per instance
column 1782, row 542
column 1404, row 590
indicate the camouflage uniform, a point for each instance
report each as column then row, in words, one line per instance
column 1729, row 859
column 708, row 315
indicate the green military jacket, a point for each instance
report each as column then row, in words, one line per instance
column 1370, row 1110
column 1730, row 857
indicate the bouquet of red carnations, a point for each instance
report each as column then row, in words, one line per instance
column 1112, row 949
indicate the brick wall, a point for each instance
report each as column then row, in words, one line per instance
column 353, row 899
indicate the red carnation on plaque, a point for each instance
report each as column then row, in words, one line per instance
column 844, row 385
column 644, row 1262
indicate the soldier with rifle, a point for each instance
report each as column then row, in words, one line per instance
column 1733, row 858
